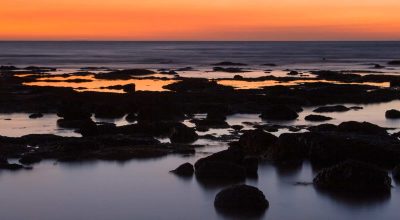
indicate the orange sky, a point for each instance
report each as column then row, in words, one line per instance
column 200, row 20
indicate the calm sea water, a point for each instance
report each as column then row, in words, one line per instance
column 122, row 54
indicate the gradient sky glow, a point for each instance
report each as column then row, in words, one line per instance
column 200, row 20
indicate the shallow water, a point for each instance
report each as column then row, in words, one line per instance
column 144, row 189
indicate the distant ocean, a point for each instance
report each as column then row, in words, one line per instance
column 125, row 54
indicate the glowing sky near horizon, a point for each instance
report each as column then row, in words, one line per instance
column 199, row 20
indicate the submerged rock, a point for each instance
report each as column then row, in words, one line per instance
column 353, row 176
column 185, row 169
column 241, row 199
column 335, row 108
column 279, row 112
column 392, row 114
column 317, row 118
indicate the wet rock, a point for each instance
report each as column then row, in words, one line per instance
column 214, row 119
column 237, row 77
column 335, row 108
column 361, row 128
column 28, row 159
column 237, row 127
column 256, row 142
column 288, row 150
column 293, row 73
column 353, row 176
column 124, row 74
column 228, row 69
column 378, row 66
column 269, row 64
column 394, row 62
column 75, row 123
column 323, row 128
column 317, row 118
column 241, row 199
column 183, row 134
column 4, row 165
column 230, row 156
column 154, row 113
column 220, row 170
column 251, row 166
column 73, row 111
column 228, row 63
column 128, row 88
column 36, row 115
column 197, row 85
column 108, row 112
column 356, row 108
column 392, row 114
column 185, row 169
column 279, row 112
column 396, row 173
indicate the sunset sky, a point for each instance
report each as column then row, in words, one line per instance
column 200, row 20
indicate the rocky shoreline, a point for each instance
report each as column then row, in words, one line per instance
column 347, row 155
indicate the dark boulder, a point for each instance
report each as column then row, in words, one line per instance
column 237, row 77
column 335, row 108
column 75, row 123
column 73, row 111
column 251, row 166
column 279, row 112
column 241, row 199
column 230, row 155
column 394, row 62
column 392, row 114
column 36, row 115
column 361, row 128
column 353, row 176
column 396, row 173
column 293, row 73
column 30, row 159
column 256, row 142
column 183, row 134
column 288, row 150
column 185, row 169
column 108, row 112
column 317, row 118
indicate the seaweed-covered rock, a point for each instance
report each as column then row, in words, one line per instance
column 392, row 114
column 241, row 199
column 353, row 176
column 185, row 169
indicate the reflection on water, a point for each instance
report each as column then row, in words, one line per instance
column 144, row 189
column 242, row 84
column 97, row 84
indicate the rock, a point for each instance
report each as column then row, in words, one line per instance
column 392, row 114
column 129, row 88
column 212, row 170
column 185, row 169
column 108, row 112
column 395, row 83
column 8, row 68
column 361, row 128
column 228, row 69
column 317, row 118
column 233, row 156
column 160, row 112
column 75, row 123
column 293, row 73
column 241, row 199
column 237, row 77
column 323, row 128
column 251, row 166
column 378, row 66
column 183, row 134
column 4, row 165
column 36, row 115
column 28, row 159
column 396, row 173
column 123, row 74
column 335, row 108
column 279, row 112
column 288, row 150
column 197, row 85
column 394, row 62
column 256, row 142
column 73, row 111
column 353, row 176
column 228, row 63
column 237, row 127
column 269, row 64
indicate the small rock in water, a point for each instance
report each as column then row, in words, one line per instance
column 335, row 108
column 36, row 115
column 317, row 118
column 392, row 114
column 241, row 199
column 280, row 112
column 353, row 176
column 185, row 169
